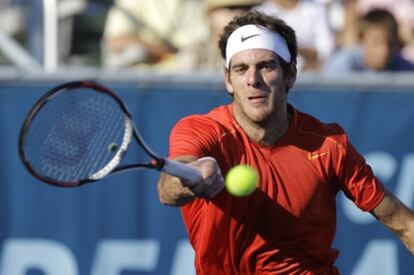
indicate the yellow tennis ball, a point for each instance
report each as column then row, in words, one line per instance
column 241, row 180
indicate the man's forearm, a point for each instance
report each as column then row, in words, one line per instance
column 398, row 218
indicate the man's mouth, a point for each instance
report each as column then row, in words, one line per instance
column 258, row 98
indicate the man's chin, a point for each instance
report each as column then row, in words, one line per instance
column 259, row 118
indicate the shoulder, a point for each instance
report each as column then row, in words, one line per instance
column 331, row 134
column 399, row 63
column 200, row 135
column 215, row 118
column 210, row 126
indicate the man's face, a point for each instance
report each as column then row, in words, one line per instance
column 378, row 48
column 258, row 85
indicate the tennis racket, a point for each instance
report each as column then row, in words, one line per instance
column 78, row 133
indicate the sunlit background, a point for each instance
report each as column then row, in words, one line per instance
column 161, row 57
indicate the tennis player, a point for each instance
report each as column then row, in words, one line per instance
column 286, row 226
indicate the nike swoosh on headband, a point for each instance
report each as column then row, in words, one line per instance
column 265, row 39
column 242, row 39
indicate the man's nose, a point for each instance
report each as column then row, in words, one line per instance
column 253, row 77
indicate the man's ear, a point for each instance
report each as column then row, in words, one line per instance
column 227, row 81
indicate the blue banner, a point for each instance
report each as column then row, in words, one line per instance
column 118, row 226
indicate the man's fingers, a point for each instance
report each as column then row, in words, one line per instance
column 216, row 187
column 212, row 182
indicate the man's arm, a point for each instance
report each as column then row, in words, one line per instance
column 175, row 192
column 398, row 218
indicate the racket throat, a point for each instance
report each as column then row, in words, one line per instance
column 158, row 164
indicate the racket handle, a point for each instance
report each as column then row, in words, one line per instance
column 183, row 171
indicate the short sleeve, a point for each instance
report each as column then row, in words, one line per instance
column 195, row 136
column 357, row 179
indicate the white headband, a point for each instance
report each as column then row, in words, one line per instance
column 256, row 37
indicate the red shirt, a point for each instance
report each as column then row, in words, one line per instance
column 288, row 224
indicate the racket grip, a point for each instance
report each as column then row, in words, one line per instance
column 183, row 171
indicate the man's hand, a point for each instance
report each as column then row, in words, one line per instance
column 176, row 192
column 213, row 181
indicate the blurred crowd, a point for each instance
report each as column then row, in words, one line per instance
column 334, row 36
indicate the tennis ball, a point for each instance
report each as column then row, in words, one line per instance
column 241, row 180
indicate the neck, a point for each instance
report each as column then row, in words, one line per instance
column 267, row 132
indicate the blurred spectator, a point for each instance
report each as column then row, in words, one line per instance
column 154, row 34
column 219, row 13
column 12, row 17
column 336, row 13
column 403, row 11
column 378, row 48
column 309, row 19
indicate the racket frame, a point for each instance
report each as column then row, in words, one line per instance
column 175, row 168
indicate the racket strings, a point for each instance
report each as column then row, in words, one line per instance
column 68, row 139
column 108, row 124
column 63, row 139
column 71, row 133
column 47, row 148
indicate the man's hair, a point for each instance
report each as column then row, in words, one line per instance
column 272, row 23
column 379, row 18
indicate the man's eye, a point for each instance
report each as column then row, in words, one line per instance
column 268, row 66
column 239, row 69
